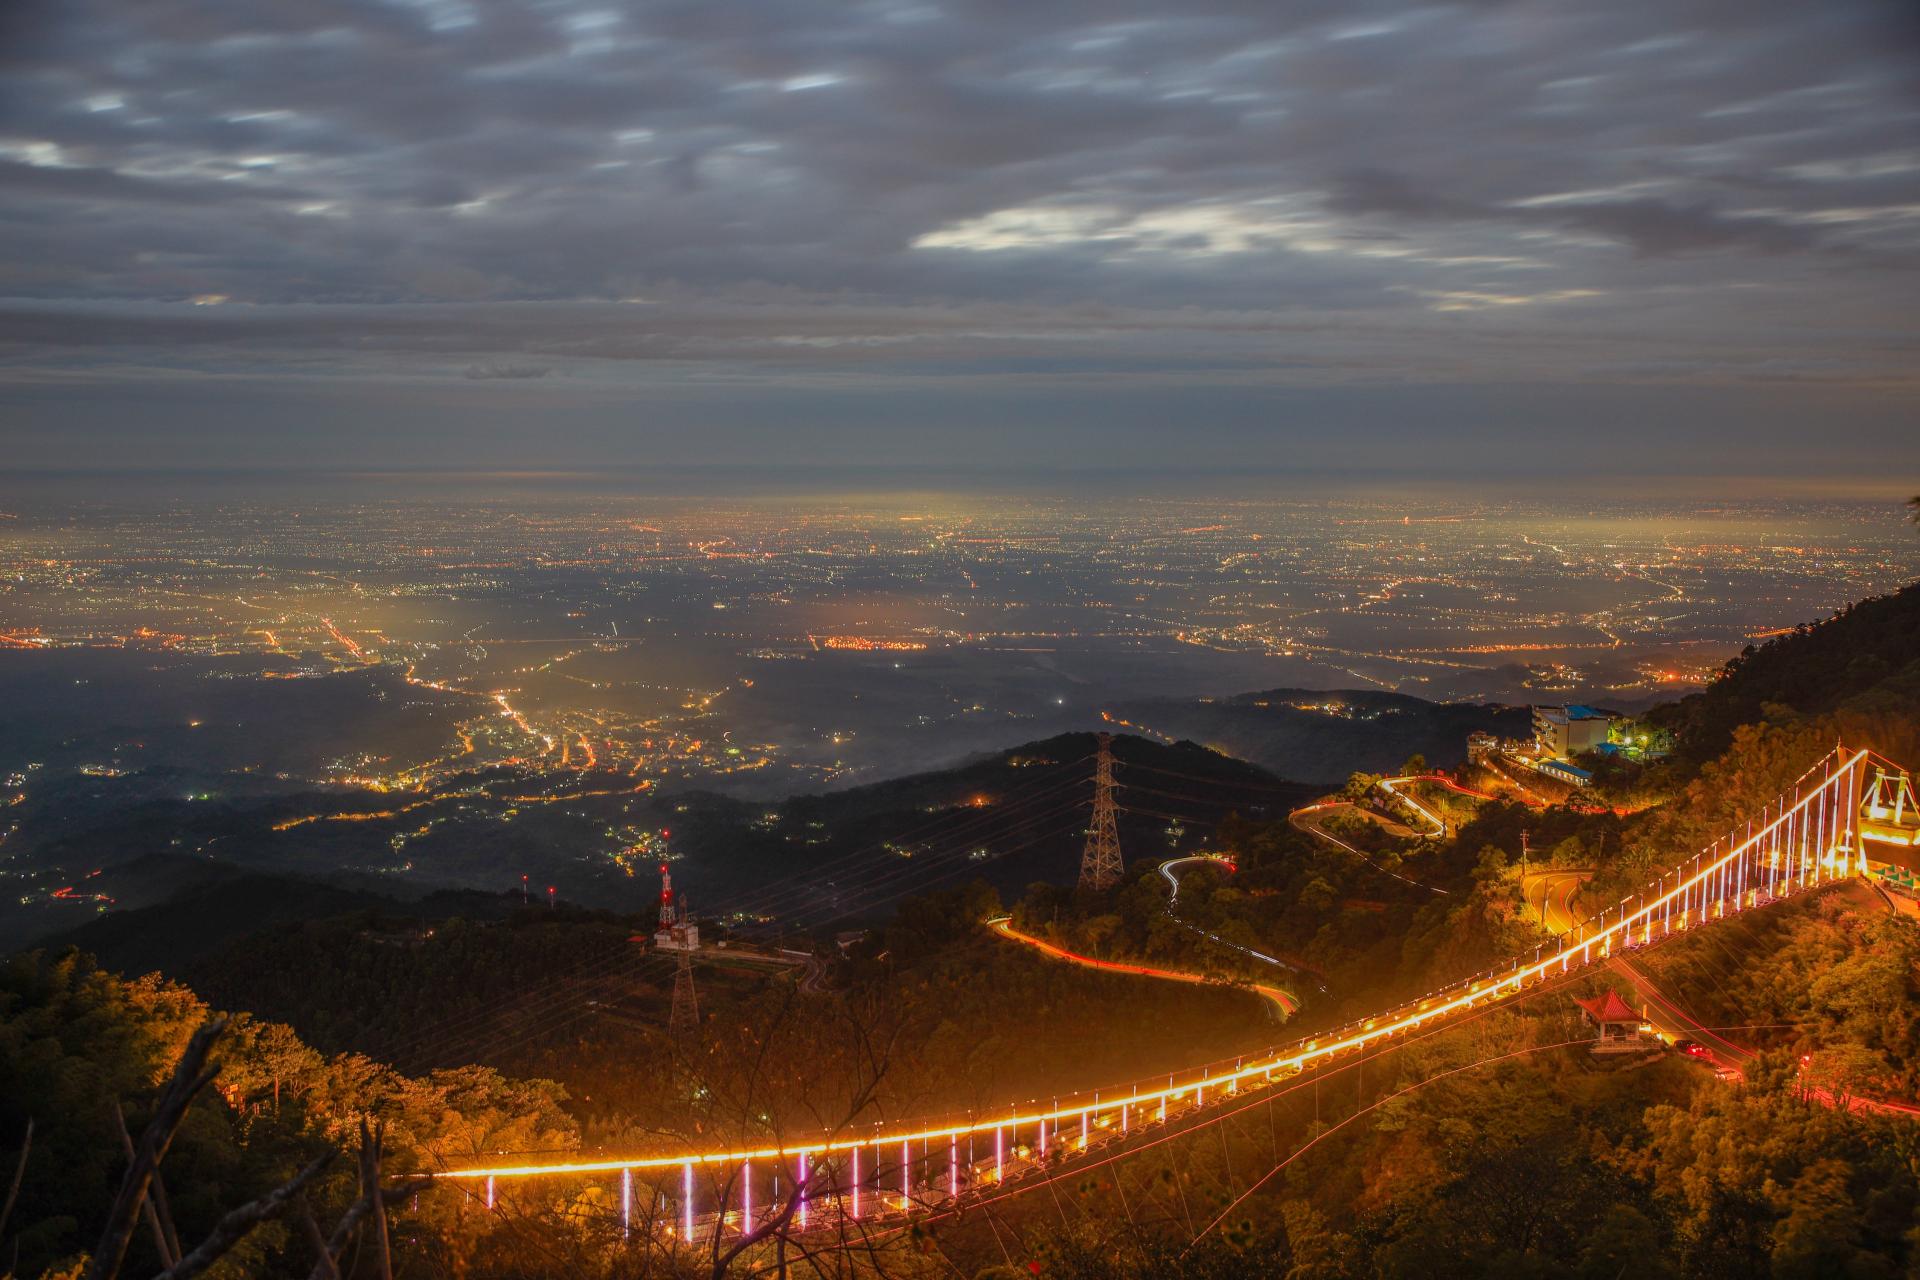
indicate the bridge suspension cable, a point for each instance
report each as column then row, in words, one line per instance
column 1807, row 843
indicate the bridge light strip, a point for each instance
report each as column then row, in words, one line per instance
column 1475, row 992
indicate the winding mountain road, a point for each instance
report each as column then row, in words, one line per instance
column 1310, row 819
column 1549, row 896
column 1004, row 927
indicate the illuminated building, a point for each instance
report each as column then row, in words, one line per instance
column 1564, row 732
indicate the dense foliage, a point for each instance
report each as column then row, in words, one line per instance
column 1489, row 1152
column 1498, row 1146
column 76, row 1042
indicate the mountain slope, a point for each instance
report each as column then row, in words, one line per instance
column 1862, row 664
column 1325, row 735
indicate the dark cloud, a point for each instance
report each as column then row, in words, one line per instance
column 955, row 193
column 1648, row 226
column 1659, row 227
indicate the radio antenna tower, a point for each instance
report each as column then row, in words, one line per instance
column 1100, row 865
column 667, row 920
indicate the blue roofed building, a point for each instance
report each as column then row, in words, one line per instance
column 1564, row 732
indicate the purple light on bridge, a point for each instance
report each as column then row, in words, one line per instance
column 746, row 1197
column 626, row 1202
column 906, row 1172
column 856, row 1182
column 801, row 1190
column 489, row 1191
column 999, row 1154
column 1740, row 874
column 686, row 1199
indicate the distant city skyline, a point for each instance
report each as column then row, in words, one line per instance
column 481, row 656
column 1457, row 239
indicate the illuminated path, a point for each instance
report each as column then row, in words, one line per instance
column 1004, row 927
column 1549, row 896
column 1813, row 836
column 1678, row 1023
column 1392, row 786
column 1669, row 1016
column 1308, row 818
column 1173, row 899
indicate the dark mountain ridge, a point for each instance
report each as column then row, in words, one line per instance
column 1010, row 818
column 1324, row 735
column 1861, row 665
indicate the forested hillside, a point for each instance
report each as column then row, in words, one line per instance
column 76, row 1042
column 1322, row 735
column 1861, row 668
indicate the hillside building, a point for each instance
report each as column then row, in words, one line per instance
column 677, row 930
column 1565, row 732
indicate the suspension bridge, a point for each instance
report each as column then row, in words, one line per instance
column 1826, row 828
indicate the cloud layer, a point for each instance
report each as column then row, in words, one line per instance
column 888, row 197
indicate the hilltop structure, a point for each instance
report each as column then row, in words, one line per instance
column 677, row 931
column 1619, row 1027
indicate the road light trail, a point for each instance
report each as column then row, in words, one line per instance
column 1300, row 820
column 1392, row 787
column 1678, row 1023
column 1549, row 897
column 1004, row 927
column 1669, row 1016
column 1173, row 897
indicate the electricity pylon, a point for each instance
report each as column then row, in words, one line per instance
column 683, row 1025
column 1100, row 865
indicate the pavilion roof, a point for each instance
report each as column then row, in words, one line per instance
column 1609, row 1008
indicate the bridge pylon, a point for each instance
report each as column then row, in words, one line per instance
column 1890, row 817
column 1100, row 863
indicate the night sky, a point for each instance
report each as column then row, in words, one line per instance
column 1630, row 236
